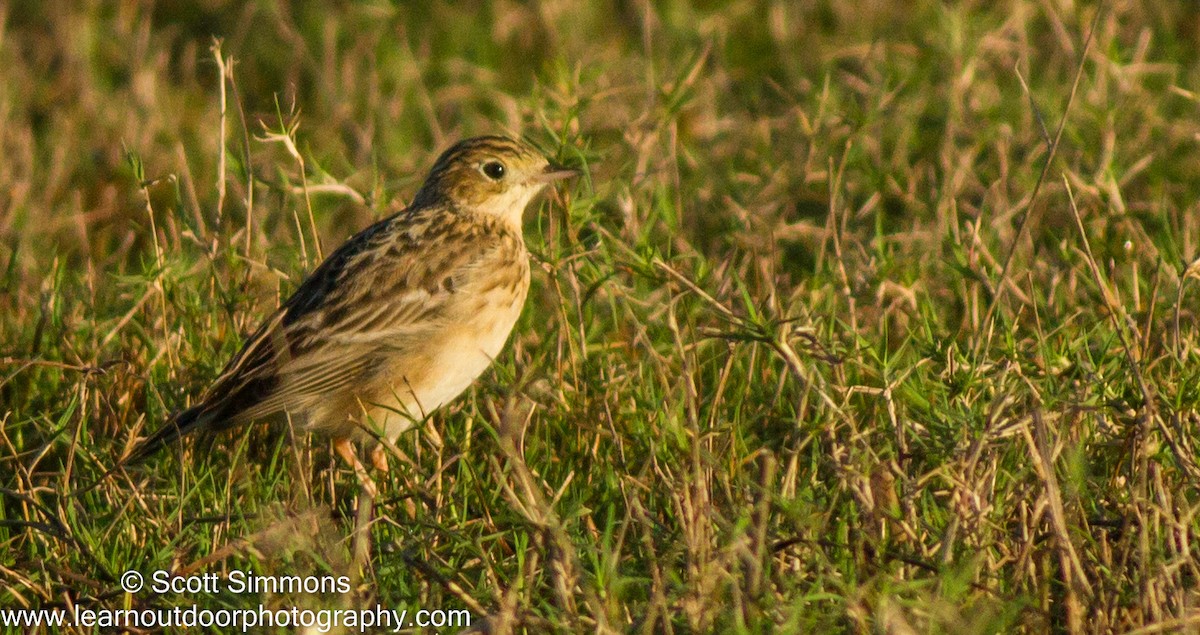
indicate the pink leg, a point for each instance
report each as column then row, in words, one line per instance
column 379, row 458
column 345, row 449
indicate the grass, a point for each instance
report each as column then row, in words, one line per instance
column 774, row 373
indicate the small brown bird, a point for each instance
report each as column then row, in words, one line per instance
column 398, row 321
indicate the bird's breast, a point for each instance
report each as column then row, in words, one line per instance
column 477, row 326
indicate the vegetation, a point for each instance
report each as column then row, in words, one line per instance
column 865, row 317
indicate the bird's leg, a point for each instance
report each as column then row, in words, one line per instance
column 379, row 458
column 345, row 449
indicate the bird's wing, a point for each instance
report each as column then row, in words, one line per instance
column 387, row 287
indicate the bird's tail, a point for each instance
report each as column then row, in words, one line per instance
column 179, row 426
column 176, row 428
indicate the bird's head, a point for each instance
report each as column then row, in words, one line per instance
column 490, row 175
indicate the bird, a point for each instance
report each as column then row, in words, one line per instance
column 395, row 323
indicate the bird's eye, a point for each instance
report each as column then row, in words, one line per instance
column 494, row 170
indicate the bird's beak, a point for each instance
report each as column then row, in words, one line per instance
column 554, row 172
